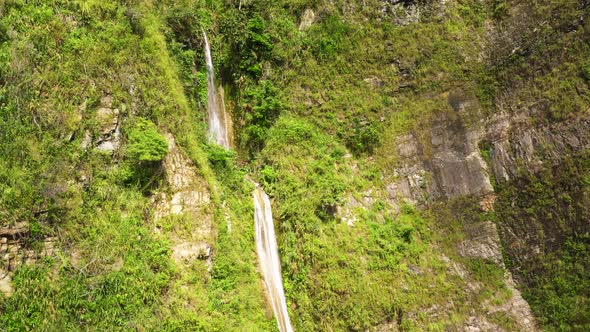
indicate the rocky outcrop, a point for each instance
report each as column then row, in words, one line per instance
column 187, row 189
column 108, row 119
column 15, row 251
column 187, row 196
column 515, row 141
column 109, row 128
column 447, row 161
column 482, row 241
column 307, row 19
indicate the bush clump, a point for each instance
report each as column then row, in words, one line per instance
column 145, row 143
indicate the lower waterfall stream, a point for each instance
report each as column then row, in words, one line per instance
column 268, row 257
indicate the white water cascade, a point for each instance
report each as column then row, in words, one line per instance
column 217, row 121
column 268, row 257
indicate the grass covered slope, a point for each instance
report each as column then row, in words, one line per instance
column 111, row 271
column 317, row 109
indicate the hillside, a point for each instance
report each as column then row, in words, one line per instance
column 426, row 162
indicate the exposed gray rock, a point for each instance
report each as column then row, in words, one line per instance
column 516, row 141
column 448, row 165
column 109, row 131
column 482, row 241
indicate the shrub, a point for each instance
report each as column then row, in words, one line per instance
column 145, row 143
column 263, row 107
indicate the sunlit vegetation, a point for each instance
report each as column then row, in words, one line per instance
column 316, row 113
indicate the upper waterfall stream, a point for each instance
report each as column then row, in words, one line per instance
column 268, row 257
column 217, row 121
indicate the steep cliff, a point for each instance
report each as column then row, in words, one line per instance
column 426, row 162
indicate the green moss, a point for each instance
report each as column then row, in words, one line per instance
column 550, row 208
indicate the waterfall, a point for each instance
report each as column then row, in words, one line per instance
column 268, row 257
column 217, row 129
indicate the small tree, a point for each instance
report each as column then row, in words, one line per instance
column 147, row 148
column 145, row 143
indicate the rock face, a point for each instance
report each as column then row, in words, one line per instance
column 108, row 119
column 482, row 242
column 448, row 162
column 516, row 141
column 186, row 186
column 187, row 196
column 15, row 252
column 307, row 19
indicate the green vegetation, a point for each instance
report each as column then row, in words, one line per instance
column 547, row 214
column 145, row 143
column 317, row 114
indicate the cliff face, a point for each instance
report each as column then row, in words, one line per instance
column 458, row 157
column 525, row 162
column 427, row 164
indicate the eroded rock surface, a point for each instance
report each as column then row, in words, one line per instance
column 307, row 19
column 447, row 162
column 108, row 119
column 188, row 191
column 16, row 251
column 187, row 195
column 515, row 141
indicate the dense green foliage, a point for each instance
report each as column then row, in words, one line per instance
column 145, row 143
column 316, row 112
